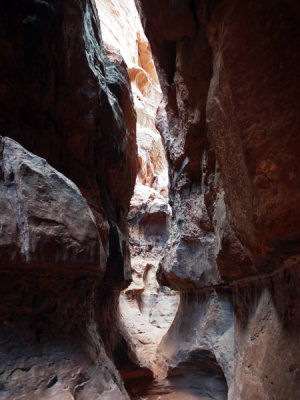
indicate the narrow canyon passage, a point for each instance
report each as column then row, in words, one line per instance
column 149, row 200
column 146, row 308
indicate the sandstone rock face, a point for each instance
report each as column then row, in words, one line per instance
column 71, row 104
column 146, row 310
column 203, row 324
column 123, row 32
column 48, row 220
column 262, row 199
column 228, row 229
column 268, row 346
column 64, row 236
column 228, row 72
column 50, row 274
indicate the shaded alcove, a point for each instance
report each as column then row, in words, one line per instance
column 199, row 376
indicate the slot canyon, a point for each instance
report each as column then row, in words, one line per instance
column 149, row 200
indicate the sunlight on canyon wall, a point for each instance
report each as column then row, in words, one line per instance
column 146, row 312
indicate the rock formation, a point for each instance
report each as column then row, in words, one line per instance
column 146, row 310
column 197, row 182
column 228, row 71
column 64, row 236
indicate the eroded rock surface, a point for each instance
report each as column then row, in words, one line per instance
column 64, row 236
column 228, row 72
column 48, row 220
column 50, row 274
column 230, row 241
column 146, row 311
column 70, row 104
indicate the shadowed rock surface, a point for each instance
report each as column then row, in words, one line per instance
column 222, row 229
column 51, row 276
column 48, row 220
column 64, row 241
column 229, row 76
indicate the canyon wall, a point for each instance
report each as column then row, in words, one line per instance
column 73, row 152
column 229, row 76
column 68, row 167
column 145, row 309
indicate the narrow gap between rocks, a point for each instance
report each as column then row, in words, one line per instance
column 146, row 309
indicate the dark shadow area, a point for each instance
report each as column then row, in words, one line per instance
column 198, row 377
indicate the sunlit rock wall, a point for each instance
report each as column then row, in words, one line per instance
column 146, row 312
column 123, row 31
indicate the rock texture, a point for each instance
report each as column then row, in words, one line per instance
column 47, row 219
column 228, row 72
column 146, row 310
column 77, row 115
column 64, row 236
column 51, row 271
column 123, row 32
column 230, row 241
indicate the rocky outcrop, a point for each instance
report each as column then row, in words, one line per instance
column 51, row 271
column 47, row 219
column 64, row 236
column 70, row 103
column 228, row 72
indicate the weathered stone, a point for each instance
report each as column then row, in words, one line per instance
column 246, row 114
column 51, row 220
column 146, row 311
column 232, row 142
column 70, row 104
column 51, row 270
column 64, row 236
column 229, row 77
